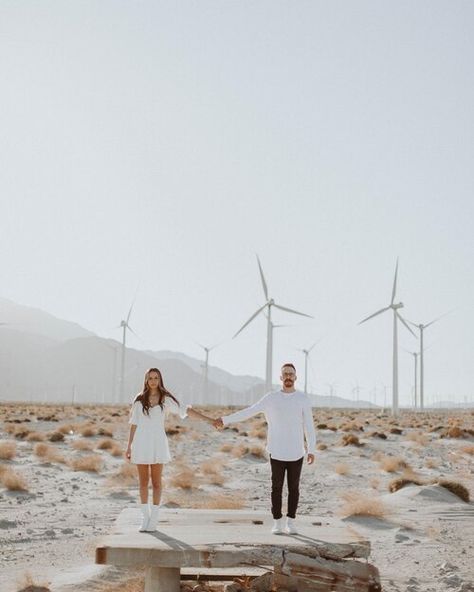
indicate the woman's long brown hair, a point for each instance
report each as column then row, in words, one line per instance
column 144, row 396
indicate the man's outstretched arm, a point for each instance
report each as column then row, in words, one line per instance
column 242, row 415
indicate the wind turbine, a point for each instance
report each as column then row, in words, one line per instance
column 268, row 305
column 396, row 317
column 306, row 353
column 421, row 328
column 415, row 358
column 205, row 367
column 125, row 326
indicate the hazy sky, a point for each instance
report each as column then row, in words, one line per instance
column 163, row 144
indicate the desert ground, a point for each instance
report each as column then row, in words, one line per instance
column 403, row 483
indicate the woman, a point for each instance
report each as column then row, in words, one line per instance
column 147, row 442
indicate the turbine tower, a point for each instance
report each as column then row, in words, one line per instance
column 125, row 326
column 205, row 367
column 421, row 328
column 396, row 317
column 268, row 305
column 306, row 356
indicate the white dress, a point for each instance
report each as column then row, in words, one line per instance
column 150, row 443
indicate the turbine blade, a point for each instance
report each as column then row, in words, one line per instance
column 412, row 323
column 130, row 311
column 249, row 321
column 130, row 329
column 375, row 314
column 399, row 316
column 314, row 344
column 292, row 311
column 439, row 318
column 264, row 283
column 394, row 289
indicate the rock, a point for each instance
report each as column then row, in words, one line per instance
column 263, row 583
column 233, row 588
column 452, row 580
column 447, row 567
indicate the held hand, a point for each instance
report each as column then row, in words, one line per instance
column 128, row 453
column 218, row 423
column 310, row 459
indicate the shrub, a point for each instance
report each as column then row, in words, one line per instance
column 92, row 463
column 36, row 437
column 350, row 440
column 342, row 469
column 184, row 479
column 88, row 432
column 469, row 449
column 105, row 444
column 361, row 504
column 13, row 481
column 226, row 448
column 392, row 464
column 82, row 445
column 400, row 482
column 7, row 450
column 457, row 488
column 321, row 446
column 55, row 437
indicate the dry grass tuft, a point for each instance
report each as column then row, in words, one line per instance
column 418, row 437
column 7, row 450
column 67, row 429
column 260, row 433
column 88, row 432
column 116, row 450
column 55, row 437
column 457, row 488
column 240, row 450
column 225, row 502
column 258, row 452
column 48, row 453
column 226, row 448
column 125, row 476
column 184, row 479
column 211, row 466
column 342, row 469
column 468, row 449
column 92, row 463
column 36, row 437
column 350, row 440
column 400, row 482
column 431, row 463
column 27, row 584
column 106, row 444
column 321, row 446
column 360, row 504
column 105, row 431
column 82, row 445
column 392, row 464
column 13, row 481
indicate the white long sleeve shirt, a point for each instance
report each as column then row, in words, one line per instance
column 289, row 418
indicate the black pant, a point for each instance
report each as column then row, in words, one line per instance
column 293, row 469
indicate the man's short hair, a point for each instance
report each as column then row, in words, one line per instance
column 290, row 365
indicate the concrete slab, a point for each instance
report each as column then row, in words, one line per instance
column 235, row 538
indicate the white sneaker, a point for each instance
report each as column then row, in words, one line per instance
column 291, row 526
column 145, row 517
column 277, row 526
column 155, row 510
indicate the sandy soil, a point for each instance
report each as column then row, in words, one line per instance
column 422, row 536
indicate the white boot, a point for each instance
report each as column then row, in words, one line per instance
column 277, row 526
column 145, row 517
column 291, row 526
column 155, row 510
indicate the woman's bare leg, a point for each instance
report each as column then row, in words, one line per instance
column 156, row 472
column 143, row 478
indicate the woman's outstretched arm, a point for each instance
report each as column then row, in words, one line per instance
column 196, row 415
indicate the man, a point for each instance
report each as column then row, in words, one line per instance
column 289, row 418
